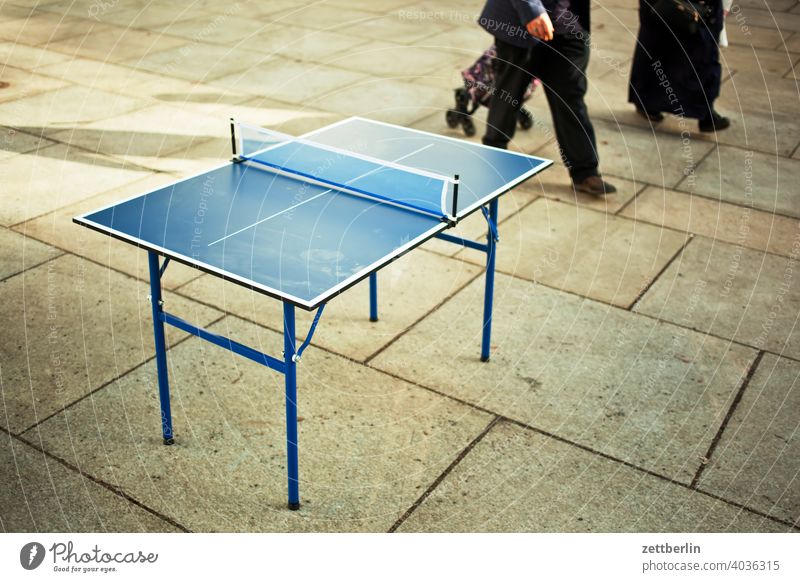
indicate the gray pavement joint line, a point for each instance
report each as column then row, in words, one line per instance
column 618, row 211
column 192, row 280
column 109, row 382
column 728, row 415
column 351, row 359
column 421, row 317
column 685, row 177
column 797, row 147
column 586, row 448
column 648, row 286
column 500, row 223
column 108, row 486
column 651, row 473
column 37, row 265
column 444, row 474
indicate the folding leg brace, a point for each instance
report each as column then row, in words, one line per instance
column 287, row 366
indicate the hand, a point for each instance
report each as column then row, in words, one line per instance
column 541, row 27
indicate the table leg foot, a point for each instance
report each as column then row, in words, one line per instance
column 169, row 441
column 294, row 506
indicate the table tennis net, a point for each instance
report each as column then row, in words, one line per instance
column 384, row 181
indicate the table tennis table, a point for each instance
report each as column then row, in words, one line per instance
column 302, row 219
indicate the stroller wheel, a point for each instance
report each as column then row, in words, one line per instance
column 469, row 127
column 452, row 118
column 525, row 118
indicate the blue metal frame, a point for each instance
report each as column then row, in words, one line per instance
column 373, row 297
column 291, row 355
column 287, row 366
column 488, row 296
column 291, row 406
column 161, row 349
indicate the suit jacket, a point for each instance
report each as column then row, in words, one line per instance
column 506, row 19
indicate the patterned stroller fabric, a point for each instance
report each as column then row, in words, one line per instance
column 477, row 90
column 479, row 79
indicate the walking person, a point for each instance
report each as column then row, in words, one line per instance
column 676, row 65
column 547, row 39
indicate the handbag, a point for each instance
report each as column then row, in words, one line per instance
column 683, row 17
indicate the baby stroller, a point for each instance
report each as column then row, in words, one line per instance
column 477, row 90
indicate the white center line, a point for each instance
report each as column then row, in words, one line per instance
column 408, row 155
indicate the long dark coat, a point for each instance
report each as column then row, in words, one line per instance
column 678, row 75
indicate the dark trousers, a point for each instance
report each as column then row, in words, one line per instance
column 561, row 66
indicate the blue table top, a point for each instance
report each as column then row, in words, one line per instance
column 305, row 242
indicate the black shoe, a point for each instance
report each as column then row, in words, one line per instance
column 654, row 117
column 594, row 185
column 714, row 123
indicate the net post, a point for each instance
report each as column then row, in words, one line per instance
column 455, row 197
column 233, row 141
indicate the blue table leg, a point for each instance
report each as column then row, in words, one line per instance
column 373, row 297
column 291, row 405
column 161, row 349
column 488, row 295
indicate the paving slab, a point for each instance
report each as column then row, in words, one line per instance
column 407, row 290
column 64, row 108
column 58, row 230
column 410, row 62
column 71, row 326
column 15, row 11
column 792, row 43
column 39, row 494
column 748, row 178
column 21, row 54
column 39, row 182
column 297, row 43
column 765, row 17
column 369, row 444
column 642, row 391
column 401, row 26
column 18, row 83
column 13, row 142
column 145, row 15
column 746, row 295
column 757, row 92
column 525, row 141
column 586, row 252
column 463, row 35
column 756, row 463
column 556, row 183
column 765, row 131
column 235, row 28
column 198, row 62
column 755, row 36
column 147, row 134
column 755, row 229
column 607, row 95
column 325, row 16
column 18, row 252
column 386, row 100
column 291, row 82
column 371, row 5
column 42, row 29
column 118, row 43
column 515, row 480
column 248, row 7
column 644, row 155
column 124, row 80
column 765, row 61
column 773, row 5
column 475, row 227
